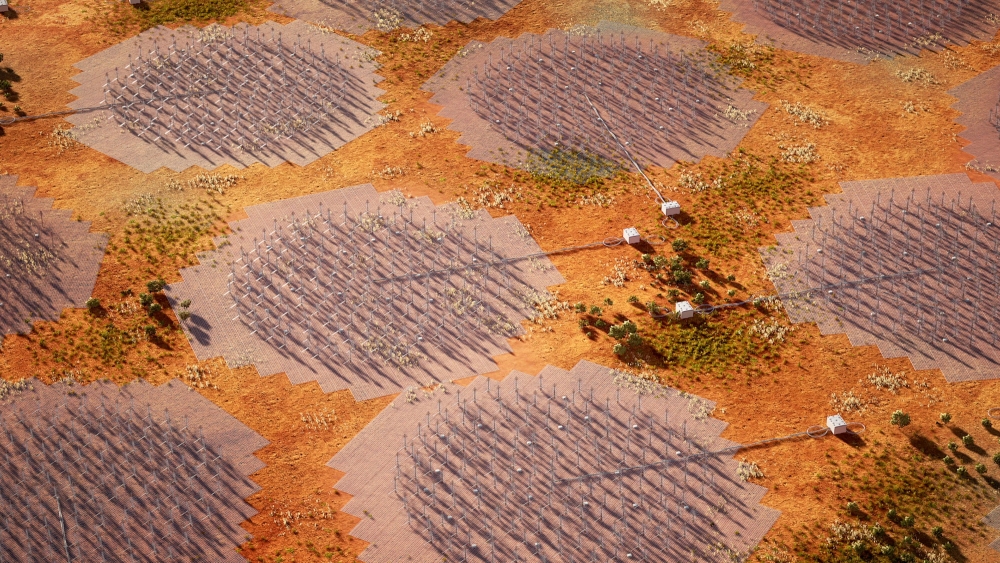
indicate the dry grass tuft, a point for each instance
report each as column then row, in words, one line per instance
column 805, row 114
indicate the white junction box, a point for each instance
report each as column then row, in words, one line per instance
column 631, row 235
column 684, row 309
column 836, row 424
column 3, row 6
column 670, row 208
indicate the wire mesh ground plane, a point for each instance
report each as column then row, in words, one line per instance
column 979, row 102
column 906, row 264
column 239, row 96
column 993, row 520
column 139, row 473
column 862, row 30
column 571, row 466
column 48, row 262
column 598, row 91
column 358, row 16
column 367, row 291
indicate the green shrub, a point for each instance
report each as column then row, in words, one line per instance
column 185, row 304
column 682, row 276
column 184, row 315
column 945, row 417
column 953, row 446
column 583, row 323
column 961, row 470
column 996, row 458
column 608, row 301
column 679, row 245
column 980, row 468
column 698, row 298
column 968, row 440
column 948, row 460
column 652, row 307
column 580, row 308
column 701, row 264
column 673, row 294
column 907, row 521
column 145, row 299
column 93, row 303
column 705, row 284
column 155, row 308
column 596, row 311
column 660, row 261
column 987, row 423
column 731, row 278
column 150, row 331
column 155, row 286
column 731, row 292
column 633, row 299
column 601, row 323
column 900, row 419
column 619, row 349
column 938, row 531
column 853, row 508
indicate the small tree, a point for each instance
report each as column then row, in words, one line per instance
column 900, row 419
column 155, row 286
column 968, row 440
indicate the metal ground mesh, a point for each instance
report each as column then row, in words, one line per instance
column 367, row 291
column 99, row 473
column 979, row 103
column 570, row 466
column 593, row 91
column 907, row 264
column 48, row 262
column 189, row 97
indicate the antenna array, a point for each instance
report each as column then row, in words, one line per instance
column 105, row 475
column 563, row 467
column 352, row 282
column 904, row 263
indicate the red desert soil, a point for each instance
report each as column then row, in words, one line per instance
column 878, row 126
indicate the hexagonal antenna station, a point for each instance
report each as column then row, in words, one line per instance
column 906, row 264
column 48, row 262
column 581, row 465
column 137, row 473
column 571, row 104
column 206, row 97
column 979, row 104
column 367, row 291
column 358, row 16
column 862, row 30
